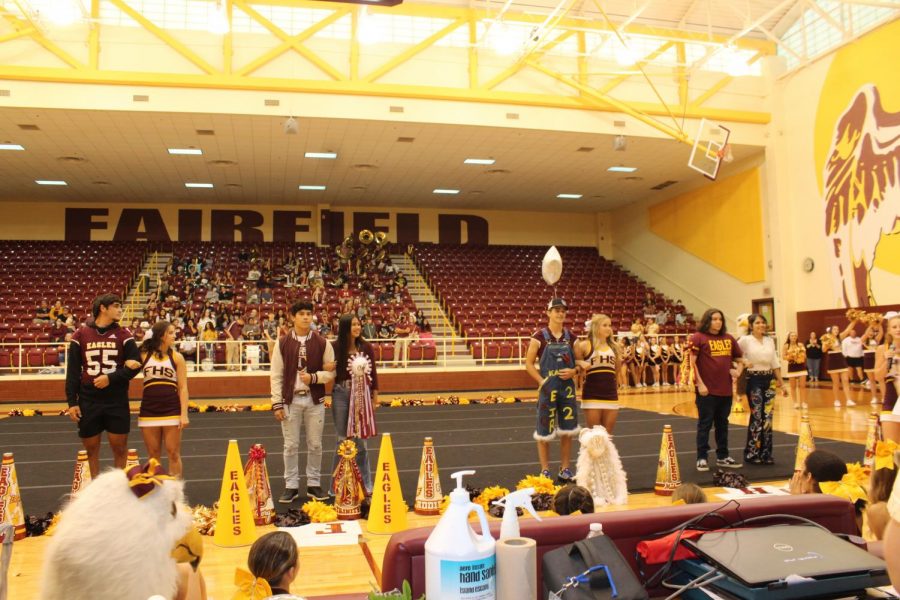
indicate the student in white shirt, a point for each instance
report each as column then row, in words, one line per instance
column 763, row 366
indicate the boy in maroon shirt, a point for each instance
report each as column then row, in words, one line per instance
column 716, row 360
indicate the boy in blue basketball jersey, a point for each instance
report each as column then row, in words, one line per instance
column 553, row 349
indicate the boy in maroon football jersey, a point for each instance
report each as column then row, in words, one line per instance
column 103, row 358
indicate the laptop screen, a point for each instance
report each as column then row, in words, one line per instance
column 761, row 555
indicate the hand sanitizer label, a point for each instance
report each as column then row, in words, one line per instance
column 469, row 580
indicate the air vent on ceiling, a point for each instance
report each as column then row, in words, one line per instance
column 4, row 93
column 100, row 183
column 497, row 172
column 618, row 123
column 140, row 98
column 222, row 163
column 476, row 192
column 512, row 116
column 406, row 140
column 365, row 167
column 396, row 109
column 205, row 132
column 29, row 127
column 71, row 159
column 272, row 102
column 585, row 149
column 233, row 185
column 359, row 188
column 632, row 178
column 664, row 184
column 715, row 131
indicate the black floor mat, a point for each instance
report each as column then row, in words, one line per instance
column 493, row 439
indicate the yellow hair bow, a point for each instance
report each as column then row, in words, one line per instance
column 250, row 587
column 860, row 473
column 884, row 454
column 846, row 488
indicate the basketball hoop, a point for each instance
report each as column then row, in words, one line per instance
column 724, row 154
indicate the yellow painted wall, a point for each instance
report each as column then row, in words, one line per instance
column 719, row 223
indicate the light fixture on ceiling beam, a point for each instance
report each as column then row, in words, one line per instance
column 291, row 126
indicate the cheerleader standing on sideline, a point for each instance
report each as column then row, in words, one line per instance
column 795, row 354
column 164, row 402
column 676, row 357
column 625, row 362
column 887, row 367
column 655, row 360
column 599, row 356
column 870, row 340
column 640, row 361
column 836, row 364
column 665, row 351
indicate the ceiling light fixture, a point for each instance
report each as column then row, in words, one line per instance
column 312, row 188
column 445, row 191
column 185, row 151
column 321, row 155
column 198, row 185
column 50, row 182
column 569, row 196
column 621, row 169
column 11, row 147
column 479, row 161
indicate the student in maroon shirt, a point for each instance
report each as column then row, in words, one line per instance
column 716, row 360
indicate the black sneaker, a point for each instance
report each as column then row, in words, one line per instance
column 289, row 495
column 702, row 465
column 316, row 492
column 728, row 463
column 565, row 476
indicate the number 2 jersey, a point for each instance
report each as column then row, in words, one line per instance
column 94, row 352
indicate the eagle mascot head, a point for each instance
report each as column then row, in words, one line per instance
column 120, row 537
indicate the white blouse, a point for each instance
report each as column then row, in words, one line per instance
column 762, row 355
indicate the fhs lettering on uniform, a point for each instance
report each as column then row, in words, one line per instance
column 159, row 371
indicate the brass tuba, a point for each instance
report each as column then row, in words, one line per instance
column 366, row 237
column 380, row 238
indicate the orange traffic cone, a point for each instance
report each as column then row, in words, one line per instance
column 11, row 510
column 805, row 443
column 132, row 460
column 428, row 489
column 82, row 475
column 668, row 476
column 258, row 487
column 873, row 435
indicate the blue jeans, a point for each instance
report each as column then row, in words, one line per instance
column 812, row 367
column 340, row 411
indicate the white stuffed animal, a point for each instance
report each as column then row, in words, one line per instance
column 115, row 538
column 599, row 468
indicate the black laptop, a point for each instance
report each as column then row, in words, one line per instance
column 767, row 556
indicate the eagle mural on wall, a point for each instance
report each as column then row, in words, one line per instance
column 862, row 193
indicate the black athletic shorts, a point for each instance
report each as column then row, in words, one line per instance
column 97, row 417
column 855, row 361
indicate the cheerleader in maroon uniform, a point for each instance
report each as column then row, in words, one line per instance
column 165, row 399
column 599, row 357
column 795, row 354
column 836, row 364
column 887, row 367
column 872, row 337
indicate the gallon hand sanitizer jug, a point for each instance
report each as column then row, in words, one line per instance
column 460, row 565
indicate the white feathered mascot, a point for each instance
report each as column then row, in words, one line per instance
column 743, row 325
column 118, row 538
column 599, row 468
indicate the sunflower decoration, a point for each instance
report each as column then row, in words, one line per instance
column 489, row 494
column 396, row 402
column 319, row 512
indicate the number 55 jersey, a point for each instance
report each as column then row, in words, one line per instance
column 94, row 352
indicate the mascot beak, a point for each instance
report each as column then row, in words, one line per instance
column 189, row 549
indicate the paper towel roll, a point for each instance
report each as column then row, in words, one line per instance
column 517, row 569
